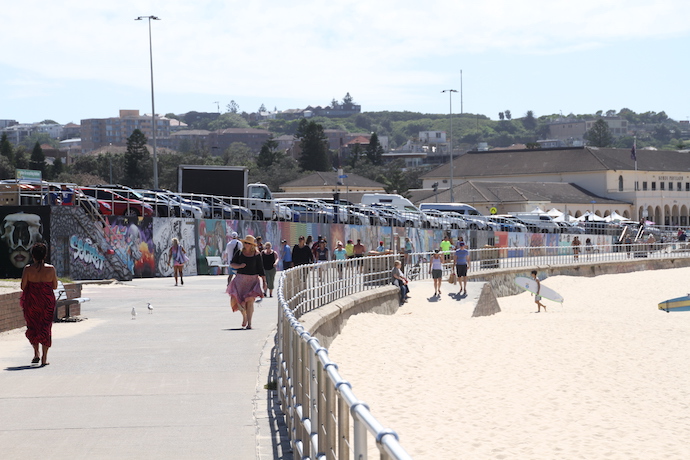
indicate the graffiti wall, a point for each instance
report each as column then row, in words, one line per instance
column 131, row 238
column 164, row 230
column 22, row 227
column 126, row 247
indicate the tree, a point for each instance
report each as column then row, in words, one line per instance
column 6, row 149
column 314, row 145
column 40, row 138
column 239, row 154
column 233, row 107
column 57, row 168
column 38, row 159
column 21, row 159
column 228, row 120
column 356, row 154
column 529, row 122
column 6, row 168
column 599, row 135
column 269, row 153
column 262, row 108
column 334, row 103
column 501, row 116
column 137, row 159
column 375, row 150
column 508, row 115
column 347, row 100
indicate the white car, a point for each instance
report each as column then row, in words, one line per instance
column 284, row 213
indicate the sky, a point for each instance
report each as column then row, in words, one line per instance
column 77, row 59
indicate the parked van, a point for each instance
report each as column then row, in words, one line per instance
column 412, row 215
column 475, row 220
column 537, row 223
column 460, row 208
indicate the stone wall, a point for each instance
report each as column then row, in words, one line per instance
column 12, row 316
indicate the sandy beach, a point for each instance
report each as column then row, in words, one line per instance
column 606, row 375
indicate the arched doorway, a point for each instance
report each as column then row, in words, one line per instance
column 683, row 215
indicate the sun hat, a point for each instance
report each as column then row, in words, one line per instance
column 249, row 239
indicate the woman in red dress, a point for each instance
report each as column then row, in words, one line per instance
column 38, row 302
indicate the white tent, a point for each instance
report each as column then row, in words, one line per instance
column 591, row 217
column 553, row 212
column 537, row 210
column 615, row 217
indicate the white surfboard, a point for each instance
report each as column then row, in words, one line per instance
column 529, row 285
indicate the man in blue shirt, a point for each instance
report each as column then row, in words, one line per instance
column 286, row 255
column 461, row 258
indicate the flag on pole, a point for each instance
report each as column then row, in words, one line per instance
column 633, row 155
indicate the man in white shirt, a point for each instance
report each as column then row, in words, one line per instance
column 234, row 246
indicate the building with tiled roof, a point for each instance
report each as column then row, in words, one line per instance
column 508, row 197
column 657, row 185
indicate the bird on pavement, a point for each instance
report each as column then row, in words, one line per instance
column 134, row 313
column 150, row 307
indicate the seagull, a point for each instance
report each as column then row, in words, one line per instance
column 134, row 313
column 150, row 307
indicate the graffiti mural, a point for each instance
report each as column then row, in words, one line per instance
column 164, row 230
column 86, row 252
column 212, row 238
column 132, row 240
column 20, row 231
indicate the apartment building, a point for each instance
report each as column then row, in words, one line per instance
column 101, row 132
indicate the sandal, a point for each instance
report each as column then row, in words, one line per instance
column 35, row 360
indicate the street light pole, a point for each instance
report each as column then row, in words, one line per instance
column 153, row 103
column 450, row 141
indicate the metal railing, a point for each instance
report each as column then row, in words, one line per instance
column 319, row 405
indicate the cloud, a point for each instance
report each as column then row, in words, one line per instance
column 310, row 49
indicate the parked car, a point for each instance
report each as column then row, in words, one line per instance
column 391, row 215
column 121, row 206
column 308, row 212
column 537, row 223
column 448, row 220
column 284, row 213
column 506, row 224
column 176, row 208
column 161, row 207
column 374, row 216
column 347, row 212
column 205, row 208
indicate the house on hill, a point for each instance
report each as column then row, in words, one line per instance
column 656, row 184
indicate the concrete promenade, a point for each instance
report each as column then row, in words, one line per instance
column 185, row 382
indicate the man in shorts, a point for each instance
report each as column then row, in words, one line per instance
column 537, row 297
column 461, row 259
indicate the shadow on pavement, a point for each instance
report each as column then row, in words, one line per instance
column 280, row 438
column 22, row 368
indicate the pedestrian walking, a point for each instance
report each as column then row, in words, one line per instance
column 177, row 256
column 461, row 260
column 250, row 281
column 38, row 302
column 270, row 260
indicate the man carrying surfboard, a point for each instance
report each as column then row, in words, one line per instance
column 537, row 297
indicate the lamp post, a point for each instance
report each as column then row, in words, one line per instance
column 153, row 104
column 450, row 141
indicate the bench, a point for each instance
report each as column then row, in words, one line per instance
column 216, row 261
column 62, row 298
